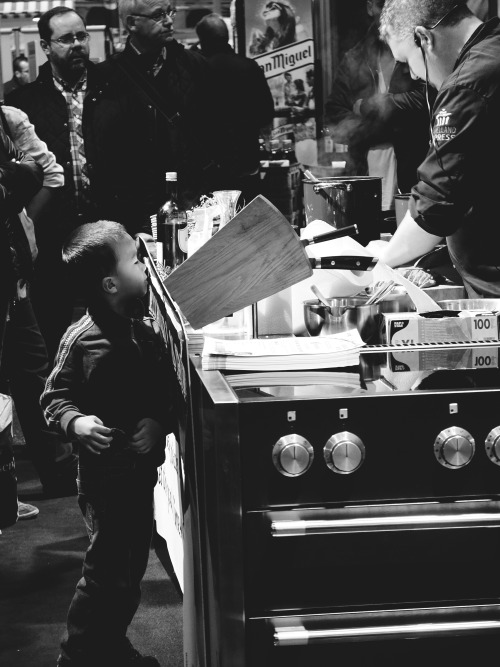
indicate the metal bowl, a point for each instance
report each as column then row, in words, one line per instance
column 343, row 315
column 483, row 305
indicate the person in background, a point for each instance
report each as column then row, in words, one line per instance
column 380, row 112
column 168, row 89
column 109, row 390
column 20, row 180
column 300, row 98
column 21, row 75
column 64, row 92
column 245, row 106
column 26, row 361
column 61, row 103
column 455, row 195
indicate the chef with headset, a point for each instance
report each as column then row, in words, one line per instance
column 457, row 190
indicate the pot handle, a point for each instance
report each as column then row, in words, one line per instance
column 334, row 185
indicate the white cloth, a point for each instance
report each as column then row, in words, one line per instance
column 25, row 138
column 382, row 159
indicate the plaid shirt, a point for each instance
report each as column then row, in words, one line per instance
column 74, row 97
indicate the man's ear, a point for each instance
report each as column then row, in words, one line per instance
column 130, row 23
column 109, row 285
column 423, row 37
column 44, row 46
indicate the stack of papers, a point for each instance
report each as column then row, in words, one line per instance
column 296, row 378
column 334, row 351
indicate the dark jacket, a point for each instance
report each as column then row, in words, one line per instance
column 400, row 117
column 118, row 147
column 20, row 180
column 167, row 120
column 46, row 108
column 112, row 367
column 457, row 194
column 245, row 105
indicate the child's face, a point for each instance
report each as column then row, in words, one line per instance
column 130, row 273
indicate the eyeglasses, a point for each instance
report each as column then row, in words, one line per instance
column 160, row 16
column 69, row 40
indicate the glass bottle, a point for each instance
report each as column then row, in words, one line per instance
column 275, row 149
column 289, row 151
column 172, row 226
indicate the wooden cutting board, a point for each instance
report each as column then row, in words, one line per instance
column 255, row 255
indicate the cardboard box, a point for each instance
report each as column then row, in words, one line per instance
column 412, row 328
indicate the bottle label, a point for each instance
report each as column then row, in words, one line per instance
column 182, row 239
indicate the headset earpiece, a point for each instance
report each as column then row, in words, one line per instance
column 417, row 39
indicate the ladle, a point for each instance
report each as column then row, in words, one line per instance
column 317, row 293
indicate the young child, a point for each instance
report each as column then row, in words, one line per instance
column 109, row 392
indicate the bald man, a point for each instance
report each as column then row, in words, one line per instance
column 245, row 105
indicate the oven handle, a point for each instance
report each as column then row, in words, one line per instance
column 297, row 528
column 299, row 636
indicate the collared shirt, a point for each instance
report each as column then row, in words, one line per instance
column 158, row 63
column 457, row 192
column 74, row 96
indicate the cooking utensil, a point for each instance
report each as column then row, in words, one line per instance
column 317, row 292
column 344, row 262
column 350, row 230
column 423, row 302
column 255, row 255
column 383, row 291
column 343, row 315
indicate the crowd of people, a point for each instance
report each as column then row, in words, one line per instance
column 83, row 153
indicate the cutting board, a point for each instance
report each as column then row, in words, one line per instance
column 256, row 255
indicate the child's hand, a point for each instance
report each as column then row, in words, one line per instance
column 91, row 433
column 146, row 435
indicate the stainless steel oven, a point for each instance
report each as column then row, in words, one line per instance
column 353, row 514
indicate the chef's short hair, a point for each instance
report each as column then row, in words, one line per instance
column 400, row 17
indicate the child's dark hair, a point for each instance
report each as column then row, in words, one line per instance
column 89, row 255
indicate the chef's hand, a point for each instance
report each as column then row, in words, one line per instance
column 378, row 249
column 91, row 433
column 147, row 435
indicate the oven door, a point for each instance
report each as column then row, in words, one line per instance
column 318, row 563
column 397, row 554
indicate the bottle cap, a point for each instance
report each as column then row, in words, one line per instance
column 171, row 176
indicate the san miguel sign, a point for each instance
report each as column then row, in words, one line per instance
column 299, row 54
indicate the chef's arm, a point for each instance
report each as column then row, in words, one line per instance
column 408, row 243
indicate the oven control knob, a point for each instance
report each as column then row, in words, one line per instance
column 454, row 447
column 293, row 455
column 492, row 444
column 344, row 452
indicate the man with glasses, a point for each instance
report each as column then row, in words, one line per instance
column 455, row 197
column 165, row 89
column 56, row 103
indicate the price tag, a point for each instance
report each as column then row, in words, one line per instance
column 484, row 327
